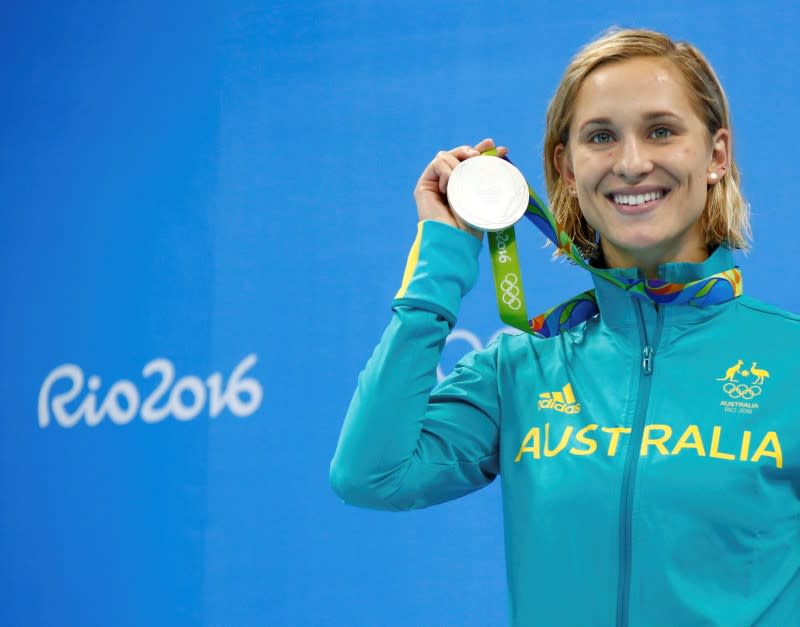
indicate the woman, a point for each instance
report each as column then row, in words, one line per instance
column 649, row 455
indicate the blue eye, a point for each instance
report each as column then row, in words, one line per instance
column 603, row 137
column 662, row 132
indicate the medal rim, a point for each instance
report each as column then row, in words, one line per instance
column 462, row 201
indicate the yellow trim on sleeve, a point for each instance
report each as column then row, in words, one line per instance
column 411, row 264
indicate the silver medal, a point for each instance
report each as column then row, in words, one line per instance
column 488, row 193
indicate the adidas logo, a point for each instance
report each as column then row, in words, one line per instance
column 563, row 401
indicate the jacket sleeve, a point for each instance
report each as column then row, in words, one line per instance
column 404, row 443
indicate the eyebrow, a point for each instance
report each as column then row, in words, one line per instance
column 649, row 117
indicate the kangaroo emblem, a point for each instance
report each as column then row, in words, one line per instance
column 730, row 373
column 759, row 373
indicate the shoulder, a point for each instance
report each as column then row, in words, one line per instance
column 765, row 323
column 511, row 344
column 760, row 308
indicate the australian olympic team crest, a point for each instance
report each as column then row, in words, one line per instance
column 742, row 386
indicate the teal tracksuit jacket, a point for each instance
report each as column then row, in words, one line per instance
column 649, row 456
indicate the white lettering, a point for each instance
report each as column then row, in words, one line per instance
column 185, row 400
column 238, row 386
column 111, row 407
column 62, row 416
column 195, row 387
column 165, row 368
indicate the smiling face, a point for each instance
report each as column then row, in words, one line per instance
column 640, row 160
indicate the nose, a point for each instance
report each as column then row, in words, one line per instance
column 633, row 161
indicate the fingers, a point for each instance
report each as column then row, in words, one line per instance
column 464, row 152
column 442, row 166
column 446, row 161
column 488, row 144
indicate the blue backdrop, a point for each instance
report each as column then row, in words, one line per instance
column 206, row 209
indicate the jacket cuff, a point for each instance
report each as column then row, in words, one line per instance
column 442, row 267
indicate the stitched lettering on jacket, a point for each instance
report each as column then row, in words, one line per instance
column 658, row 439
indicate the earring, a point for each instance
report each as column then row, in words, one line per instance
column 713, row 176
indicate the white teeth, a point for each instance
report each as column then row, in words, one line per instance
column 636, row 199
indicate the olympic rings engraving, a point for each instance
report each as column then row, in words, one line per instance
column 510, row 288
column 745, row 392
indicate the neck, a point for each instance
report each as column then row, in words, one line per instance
column 649, row 260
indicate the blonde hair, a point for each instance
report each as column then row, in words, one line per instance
column 726, row 217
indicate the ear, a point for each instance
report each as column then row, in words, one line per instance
column 563, row 166
column 720, row 155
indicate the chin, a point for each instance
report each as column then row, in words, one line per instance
column 638, row 243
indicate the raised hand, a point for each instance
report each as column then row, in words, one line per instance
column 430, row 193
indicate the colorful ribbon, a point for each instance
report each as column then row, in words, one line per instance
column 710, row 290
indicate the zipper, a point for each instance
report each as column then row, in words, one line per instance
column 632, row 458
column 647, row 359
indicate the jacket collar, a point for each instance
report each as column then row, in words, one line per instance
column 617, row 307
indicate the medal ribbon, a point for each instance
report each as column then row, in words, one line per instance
column 710, row 290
